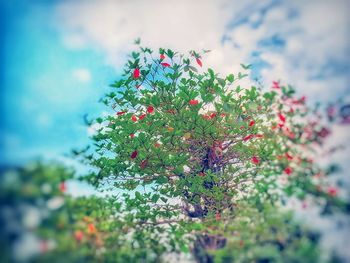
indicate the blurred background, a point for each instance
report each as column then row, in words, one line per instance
column 58, row 58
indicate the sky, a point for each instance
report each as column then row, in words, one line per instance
column 58, row 57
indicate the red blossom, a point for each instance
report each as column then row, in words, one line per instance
column 136, row 73
column 162, row 56
column 144, row 164
column 217, row 216
column 289, row 157
column 44, row 246
column 251, row 123
column 63, row 187
column 133, row 154
column 134, row 118
column 288, row 170
column 165, row 64
column 157, row 145
column 304, row 204
column 259, row 135
column 199, row 62
column 193, row 102
column 201, row 174
column 213, row 115
column 324, row 132
column 142, row 116
column 255, row 160
column 281, row 117
column 132, row 135
column 150, row 109
column 275, row 85
column 121, row 112
column 332, row 191
column 91, row 228
column 78, row 235
column 289, row 133
column 248, row 137
column 206, row 116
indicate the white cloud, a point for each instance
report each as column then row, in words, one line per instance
column 82, row 75
column 183, row 25
column 74, row 41
column 311, row 39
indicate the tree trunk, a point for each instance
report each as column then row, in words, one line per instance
column 204, row 244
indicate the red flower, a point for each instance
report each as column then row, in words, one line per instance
column 142, row 116
column 222, row 115
column 288, row 170
column 193, row 102
column 165, row 64
column 289, row 157
column 162, row 56
column 132, row 135
column 157, row 145
column 136, row 73
column 332, row 191
column 150, row 109
column 281, row 117
column 121, row 112
column 259, row 136
column 144, row 164
column 217, row 216
column 275, row 85
column 78, row 235
column 199, row 62
column 91, row 228
column 255, row 160
column 206, row 116
column 248, row 137
column 63, row 187
column 251, row 123
column 44, row 246
column 323, row 133
column 134, row 118
column 201, row 174
column 213, row 115
column 133, row 154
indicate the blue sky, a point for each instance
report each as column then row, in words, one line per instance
column 47, row 87
column 60, row 56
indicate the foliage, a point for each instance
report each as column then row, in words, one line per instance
column 34, row 203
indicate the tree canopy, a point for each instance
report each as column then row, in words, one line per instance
column 200, row 163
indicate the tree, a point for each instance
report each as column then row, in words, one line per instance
column 187, row 148
column 40, row 222
column 197, row 164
